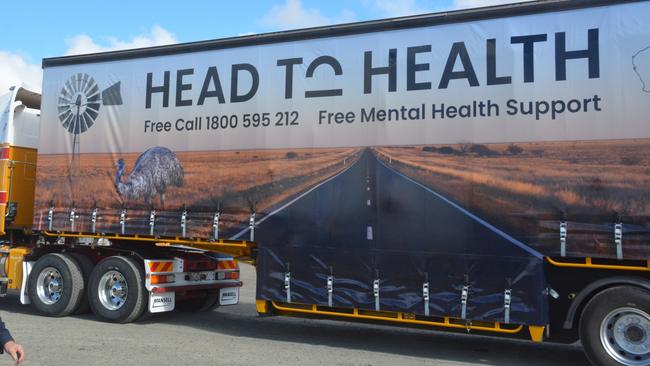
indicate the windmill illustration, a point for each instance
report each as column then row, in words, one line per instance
column 79, row 103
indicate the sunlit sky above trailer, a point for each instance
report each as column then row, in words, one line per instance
column 52, row 28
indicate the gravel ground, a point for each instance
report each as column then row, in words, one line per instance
column 234, row 335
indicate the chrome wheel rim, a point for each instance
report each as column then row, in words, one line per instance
column 112, row 290
column 625, row 335
column 49, row 286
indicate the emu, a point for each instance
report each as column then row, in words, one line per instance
column 155, row 170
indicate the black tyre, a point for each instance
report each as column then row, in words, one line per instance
column 615, row 327
column 55, row 285
column 116, row 291
column 86, row 266
column 207, row 303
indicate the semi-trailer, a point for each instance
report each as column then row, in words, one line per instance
column 481, row 170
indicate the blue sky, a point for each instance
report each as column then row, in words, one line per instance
column 56, row 28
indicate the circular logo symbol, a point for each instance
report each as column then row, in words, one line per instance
column 79, row 102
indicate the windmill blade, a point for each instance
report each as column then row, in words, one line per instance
column 112, row 95
column 69, row 87
column 92, row 113
column 63, row 109
column 67, row 121
column 79, row 81
column 93, row 90
column 70, row 122
column 89, row 120
column 93, row 98
column 87, row 83
column 63, row 115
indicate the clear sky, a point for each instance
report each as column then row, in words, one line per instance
column 33, row 30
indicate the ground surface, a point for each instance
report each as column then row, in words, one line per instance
column 236, row 336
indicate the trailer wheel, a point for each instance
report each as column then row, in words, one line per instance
column 86, row 266
column 615, row 327
column 56, row 285
column 116, row 292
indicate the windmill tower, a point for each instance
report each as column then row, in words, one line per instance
column 78, row 107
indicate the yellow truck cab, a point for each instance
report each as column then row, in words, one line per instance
column 19, row 123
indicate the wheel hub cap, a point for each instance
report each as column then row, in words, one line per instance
column 625, row 334
column 112, row 290
column 49, row 286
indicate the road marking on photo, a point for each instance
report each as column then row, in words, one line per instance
column 260, row 221
column 368, row 202
column 467, row 213
column 368, row 189
column 369, row 232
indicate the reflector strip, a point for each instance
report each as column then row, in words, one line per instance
column 227, row 264
column 4, row 153
column 161, row 266
column 4, row 197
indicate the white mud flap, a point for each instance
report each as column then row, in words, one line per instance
column 24, row 296
column 159, row 303
column 229, row 296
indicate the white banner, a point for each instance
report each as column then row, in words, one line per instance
column 569, row 75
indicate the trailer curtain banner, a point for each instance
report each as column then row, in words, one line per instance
column 369, row 165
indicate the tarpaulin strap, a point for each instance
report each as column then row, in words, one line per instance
column 464, row 295
column 72, row 218
column 330, row 289
column 123, row 221
column 563, row 234
column 152, row 222
column 184, row 223
column 507, row 299
column 93, row 219
column 251, row 225
column 215, row 225
column 287, row 285
column 375, row 291
column 425, row 296
column 50, row 218
column 618, row 239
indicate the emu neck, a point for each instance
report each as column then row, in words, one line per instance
column 118, row 176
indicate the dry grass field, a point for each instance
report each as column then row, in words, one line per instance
column 235, row 182
column 527, row 188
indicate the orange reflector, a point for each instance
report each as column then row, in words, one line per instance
column 4, row 197
column 234, row 275
column 157, row 279
column 4, row 153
